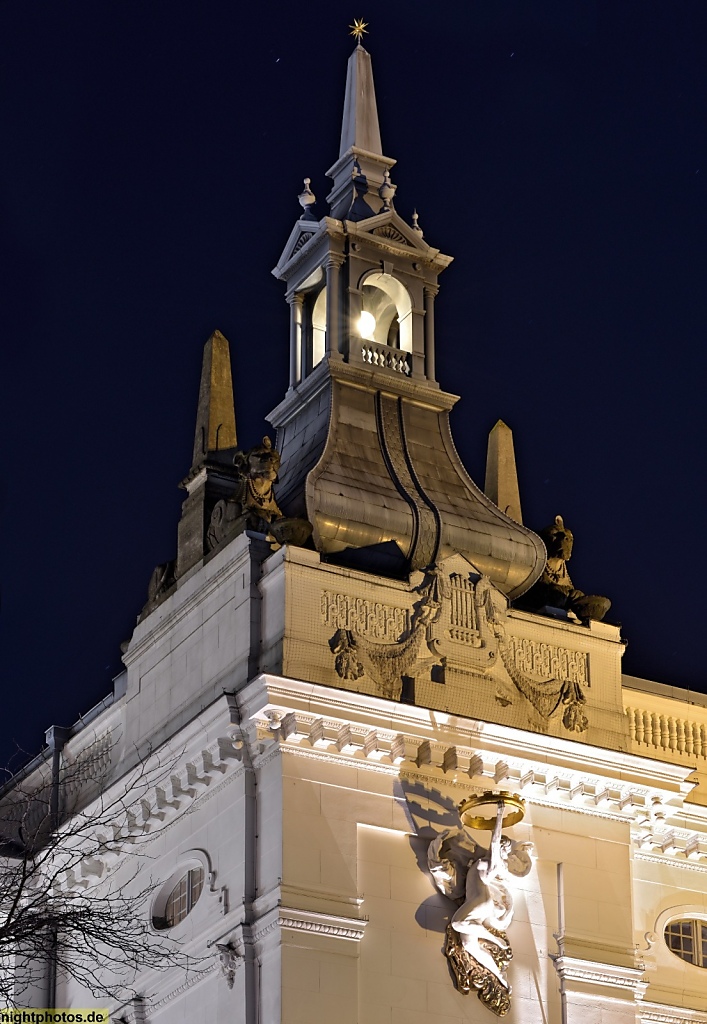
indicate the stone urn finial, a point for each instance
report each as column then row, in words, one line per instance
column 307, row 199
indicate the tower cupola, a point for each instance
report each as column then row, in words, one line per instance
column 361, row 281
column 367, row 453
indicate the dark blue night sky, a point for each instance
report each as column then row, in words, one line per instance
column 152, row 154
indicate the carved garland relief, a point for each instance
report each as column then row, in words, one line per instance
column 453, row 609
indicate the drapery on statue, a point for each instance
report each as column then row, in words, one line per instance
column 253, row 505
column 258, row 469
column 555, row 589
column 476, row 878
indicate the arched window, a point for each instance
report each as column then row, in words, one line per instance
column 318, row 328
column 687, row 938
column 313, row 294
column 386, row 312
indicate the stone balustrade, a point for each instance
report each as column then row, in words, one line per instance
column 386, row 357
column 658, row 731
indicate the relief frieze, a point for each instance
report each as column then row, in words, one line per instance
column 547, row 661
column 369, row 618
column 458, row 622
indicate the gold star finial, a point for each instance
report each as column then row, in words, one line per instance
column 358, row 29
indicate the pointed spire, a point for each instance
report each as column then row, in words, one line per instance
column 361, row 151
column 216, row 416
column 360, row 125
column 501, row 478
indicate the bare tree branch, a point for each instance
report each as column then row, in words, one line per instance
column 60, row 898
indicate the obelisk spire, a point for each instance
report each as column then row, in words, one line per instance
column 501, row 477
column 359, row 126
column 216, row 416
column 360, row 170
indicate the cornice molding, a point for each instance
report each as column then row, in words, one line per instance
column 658, row 1013
column 592, row 972
column 349, row 928
column 671, row 859
column 361, row 708
column 302, row 722
column 153, row 1005
column 165, row 791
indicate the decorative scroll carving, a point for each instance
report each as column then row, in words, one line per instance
column 369, row 618
column 302, row 241
column 227, row 520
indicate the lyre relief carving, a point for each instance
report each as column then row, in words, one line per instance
column 463, row 616
column 386, row 643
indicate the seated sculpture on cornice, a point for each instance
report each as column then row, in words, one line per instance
column 555, row 589
column 252, row 505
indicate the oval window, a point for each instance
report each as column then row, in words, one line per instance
column 180, row 899
column 688, row 940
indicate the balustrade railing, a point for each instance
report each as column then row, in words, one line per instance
column 664, row 732
column 390, row 358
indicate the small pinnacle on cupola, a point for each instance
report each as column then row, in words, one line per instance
column 386, row 192
column 501, row 484
column 415, row 224
column 359, row 29
column 307, row 199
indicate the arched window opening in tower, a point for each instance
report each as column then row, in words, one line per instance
column 386, row 313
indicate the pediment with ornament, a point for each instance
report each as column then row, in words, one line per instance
column 303, row 231
column 390, row 230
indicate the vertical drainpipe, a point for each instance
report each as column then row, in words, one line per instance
column 250, row 881
column 560, row 937
column 56, row 737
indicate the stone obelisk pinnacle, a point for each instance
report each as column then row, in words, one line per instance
column 501, row 484
column 215, row 417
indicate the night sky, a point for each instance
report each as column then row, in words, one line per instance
column 152, row 154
